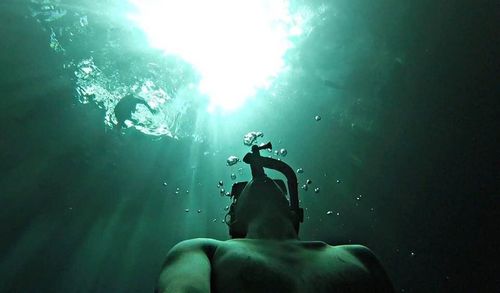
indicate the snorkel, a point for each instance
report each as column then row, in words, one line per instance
column 257, row 164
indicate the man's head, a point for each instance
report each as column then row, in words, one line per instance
column 261, row 198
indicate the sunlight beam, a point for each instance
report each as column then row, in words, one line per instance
column 237, row 46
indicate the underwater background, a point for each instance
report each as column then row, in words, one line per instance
column 386, row 106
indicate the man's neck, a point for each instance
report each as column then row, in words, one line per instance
column 272, row 227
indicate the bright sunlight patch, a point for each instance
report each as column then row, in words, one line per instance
column 237, row 46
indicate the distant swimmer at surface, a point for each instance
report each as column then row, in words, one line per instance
column 265, row 254
column 126, row 106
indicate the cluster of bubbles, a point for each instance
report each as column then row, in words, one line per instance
column 305, row 186
column 232, row 160
column 281, row 152
column 251, row 137
column 177, row 189
column 308, row 182
column 177, row 192
column 222, row 191
column 358, row 198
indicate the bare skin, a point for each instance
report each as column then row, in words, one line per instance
column 270, row 259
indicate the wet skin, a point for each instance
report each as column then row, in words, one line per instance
column 258, row 265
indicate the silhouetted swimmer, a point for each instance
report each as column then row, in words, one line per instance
column 126, row 106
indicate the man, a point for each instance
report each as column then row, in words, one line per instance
column 269, row 258
column 126, row 106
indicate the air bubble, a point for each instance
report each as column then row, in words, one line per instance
column 329, row 212
column 300, row 170
column 252, row 136
column 283, row 152
column 305, row 187
column 233, row 176
column 308, row 181
column 316, row 190
column 317, row 118
column 231, row 160
column 186, row 210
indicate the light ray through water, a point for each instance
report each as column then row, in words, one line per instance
column 237, row 46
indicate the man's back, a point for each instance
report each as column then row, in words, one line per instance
column 256, row 265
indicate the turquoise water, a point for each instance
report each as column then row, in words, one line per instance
column 371, row 100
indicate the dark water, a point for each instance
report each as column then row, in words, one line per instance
column 404, row 90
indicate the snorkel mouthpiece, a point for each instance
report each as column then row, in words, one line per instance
column 254, row 159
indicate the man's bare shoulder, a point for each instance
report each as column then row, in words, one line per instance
column 206, row 246
column 196, row 244
column 366, row 257
column 360, row 252
column 187, row 266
